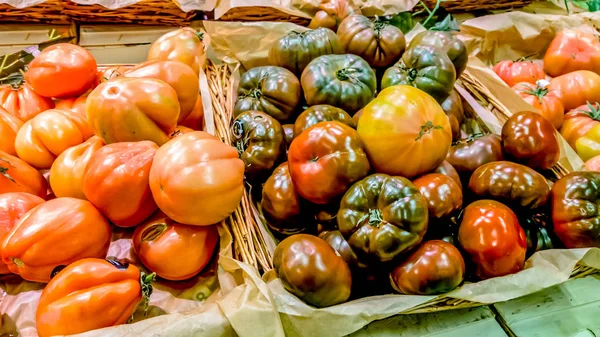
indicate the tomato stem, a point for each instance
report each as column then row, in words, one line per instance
column 538, row 92
column 18, row 262
column 427, row 128
column 525, row 58
column 373, row 216
column 146, row 283
column 200, row 36
column 153, row 232
column 4, row 172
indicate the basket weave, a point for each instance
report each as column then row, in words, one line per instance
column 256, row 13
column 49, row 12
column 461, row 6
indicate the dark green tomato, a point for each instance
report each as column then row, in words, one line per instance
column 539, row 236
column 273, row 90
column 453, row 108
column 288, row 130
column 260, row 142
column 383, row 217
column 345, row 81
column 337, row 241
column 295, row 50
column 511, row 183
column 321, row 113
column 446, row 41
column 425, row 68
column 466, row 155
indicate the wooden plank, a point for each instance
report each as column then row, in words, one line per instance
column 473, row 322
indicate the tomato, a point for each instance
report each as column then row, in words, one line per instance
column 321, row 113
column 76, row 105
column 62, row 70
column 41, row 139
column 323, row 20
column 447, row 169
column 188, row 249
column 492, row 237
column 184, row 45
column 331, row 13
column 57, row 232
column 377, row 42
column 66, row 174
column 453, row 108
column 116, row 181
column 512, row 72
column 579, row 121
column 436, row 267
column 260, row 142
column 447, row 42
column 444, row 196
column 281, row 205
column 383, row 217
column 570, row 51
column 425, row 68
column 288, row 132
column 91, row 294
column 196, row 179
column 109, row 73
column 13, row 205
column 9, row 125
column 133, row 109
column 575, row 212
column 512, row 183
column 176, row 74
column 588, row 145
column 180, row 129
column 325, row 160
column 466, row 155
column 344, row 81
column 576, row 88
column 405, row 132
column 195, row 120
column 337, row 241
column 356, row 116
column 21, row 101
column 593, row 164
column 273, row 90
column 295, row 50
column 18, row 176
column 537, row 228
column 310, row 269
column 543, row 100
column 531, row 139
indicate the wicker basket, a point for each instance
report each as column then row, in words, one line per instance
column 256, row 13
column 49, row 12
column 461, row 6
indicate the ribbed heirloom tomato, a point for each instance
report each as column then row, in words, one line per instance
column 570, row 51
column 466, row 155
column 18, row 176
column 579, row 121
column 196, row 179
column 58, row 232
column 520, row 71
column 444, row 196
column 76, row 105
column 21, row 101
column 12, row 207
column 576, row 88
column 188, row 249
column 544, row 100
column 91, row 294
column 9, row 125
column 63, row 70
column 184, row 45
column 116, row 181
column 281, row 204
column 195, row 120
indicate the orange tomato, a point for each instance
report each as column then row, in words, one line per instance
column 176, row 74
column 57, row 232
column 66, row 174
column 195, row 120
column 570, row 51
column 48, row 134
column 76, row 105
column 9, row 125
column 23, row 102
column 184, row 45
column 62, row 70
column 545, row 101
column 90, row 294
column 109, row 73
column 513, row 73
column 593, row 164
column 180, row 130
column 12, row 207
column 116, row 182
column 579, row 121
column 576, row 88
column 196, row 179
column 133, row 109
column 18, row 176
column 187, row 248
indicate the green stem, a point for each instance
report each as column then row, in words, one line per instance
column 146, row 283
column 373, row 216
column 431, row 13
column 427, row 128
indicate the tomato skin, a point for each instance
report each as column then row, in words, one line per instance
column 531, row 139
column 44, row 238
column 133, row 109
column 447, row 169
column 116, row 181
column 337, row 241
column 447, row 42
column 184, row 45
column 88, row 294
column 571, row 51
column 288, row 132
column 491, row 235
column 196, row 179
column 281, row 204
column 109, row 73
column 41, row 139
column 76, row 105
column 588, row 145
column 578, row 122
column 13, row 206
column 23, row 102
column 63, row 70
column 544, row 100
column 444, row 196
column 325, row 160
column 310, row 269
column 470, row 153
column 576, row 88
column 195, row 120
column 403, row 117
column 9, row 126
column 436, row 267
column 575, row 213
column 67, row 171
column 188, row 249
column 513, row 73
column 332, row 13
column 18, row 176
column 593, row 164
column 321, row 113
column 453, row 108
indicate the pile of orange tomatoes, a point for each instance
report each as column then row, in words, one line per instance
column 119, row 148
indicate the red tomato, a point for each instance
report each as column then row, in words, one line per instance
column 18, row 176
column 571, row 51
column 63, row 71
column 444, row 196
column 544, row 100
column 23, row 102
column 576, row 88
column 521, row 71
column 195, row 120
column 9, row 125
column 76, row 105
